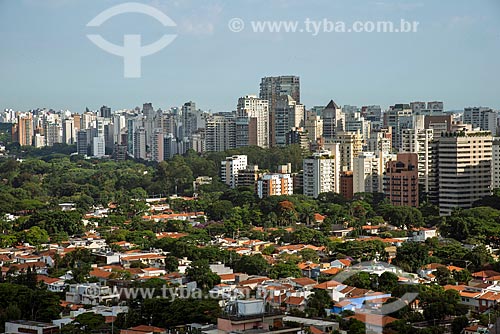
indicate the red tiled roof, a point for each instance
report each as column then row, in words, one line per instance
column 303, row 281
column 47, row 279
column 144, row 328
column 327, row 285
column 100, row 273
column 292, row 300
column 373, row 319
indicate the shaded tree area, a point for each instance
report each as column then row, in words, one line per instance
column 22, row 302
column 165, row 313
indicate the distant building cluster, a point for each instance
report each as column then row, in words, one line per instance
column 409, row 152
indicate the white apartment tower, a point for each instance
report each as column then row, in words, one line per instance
column 398, row 117
column 220, row 132
column 68, row 131
column 252, row 122
column 230, row 167
column 419, row 141
column 463, row 169
column 313, row 125
column 483, row 118
column 368, row 173
column 321, row 173
column 350, row 145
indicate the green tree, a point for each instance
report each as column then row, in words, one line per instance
column 36, row 236
column 411, row 256
column 459, row 324
column 317, row 303
column 171, row 264
column 285, row 269
column 251, row 265
column 308, row 254
column 387, row 281
column 200, row 272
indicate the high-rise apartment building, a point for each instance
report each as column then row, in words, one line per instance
column 140, row 143
column 347, row 184
column 98, row 147
column 68, row 131
column 25, row 129
column 53, row 132
column 313, row 125
column 105, row 112
column 298, row 136
column 398, row 117
column 271, row 88
column 354, row 122
column 220, row 132
column 483, row 118
column 82, row 143
column 401, row 180
column 417, row 107
column 288, row 114
column 419, row 141
column 368, row 173
column 495, row 164
column 248, row 176
column 350, row 145
column 157, row 145
column 380, row 141
column 192, row 119
column 252, row 122
column 462, row 163
column 321, row 173
column 229, row 169
column 333, row 119
column 274, row 184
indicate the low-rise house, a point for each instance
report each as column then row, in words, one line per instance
column 107, row 257
column 125, row 244
column 476, row 329
column 39, row 267
column 344, row 305
column 295, row 303
column 374, row 323
column 428, row 270
column 220, row 268
column 303, row 283
column 487, row 275
column 150, row 259
column 32, row 327
column 90, row 294
column 322, row 325
column 340, row 263
column 221, row 289
column 253, row 282
column 309, row 269
column 341, row 231
column 153, row 272
column 28, row 258
column 145, row 329
column 5, row 260
column 53, row 284
column 421, row 234
column 101, row 275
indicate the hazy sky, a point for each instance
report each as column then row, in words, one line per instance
column 46, row 59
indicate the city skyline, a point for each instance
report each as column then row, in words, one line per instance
column 451, row 57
